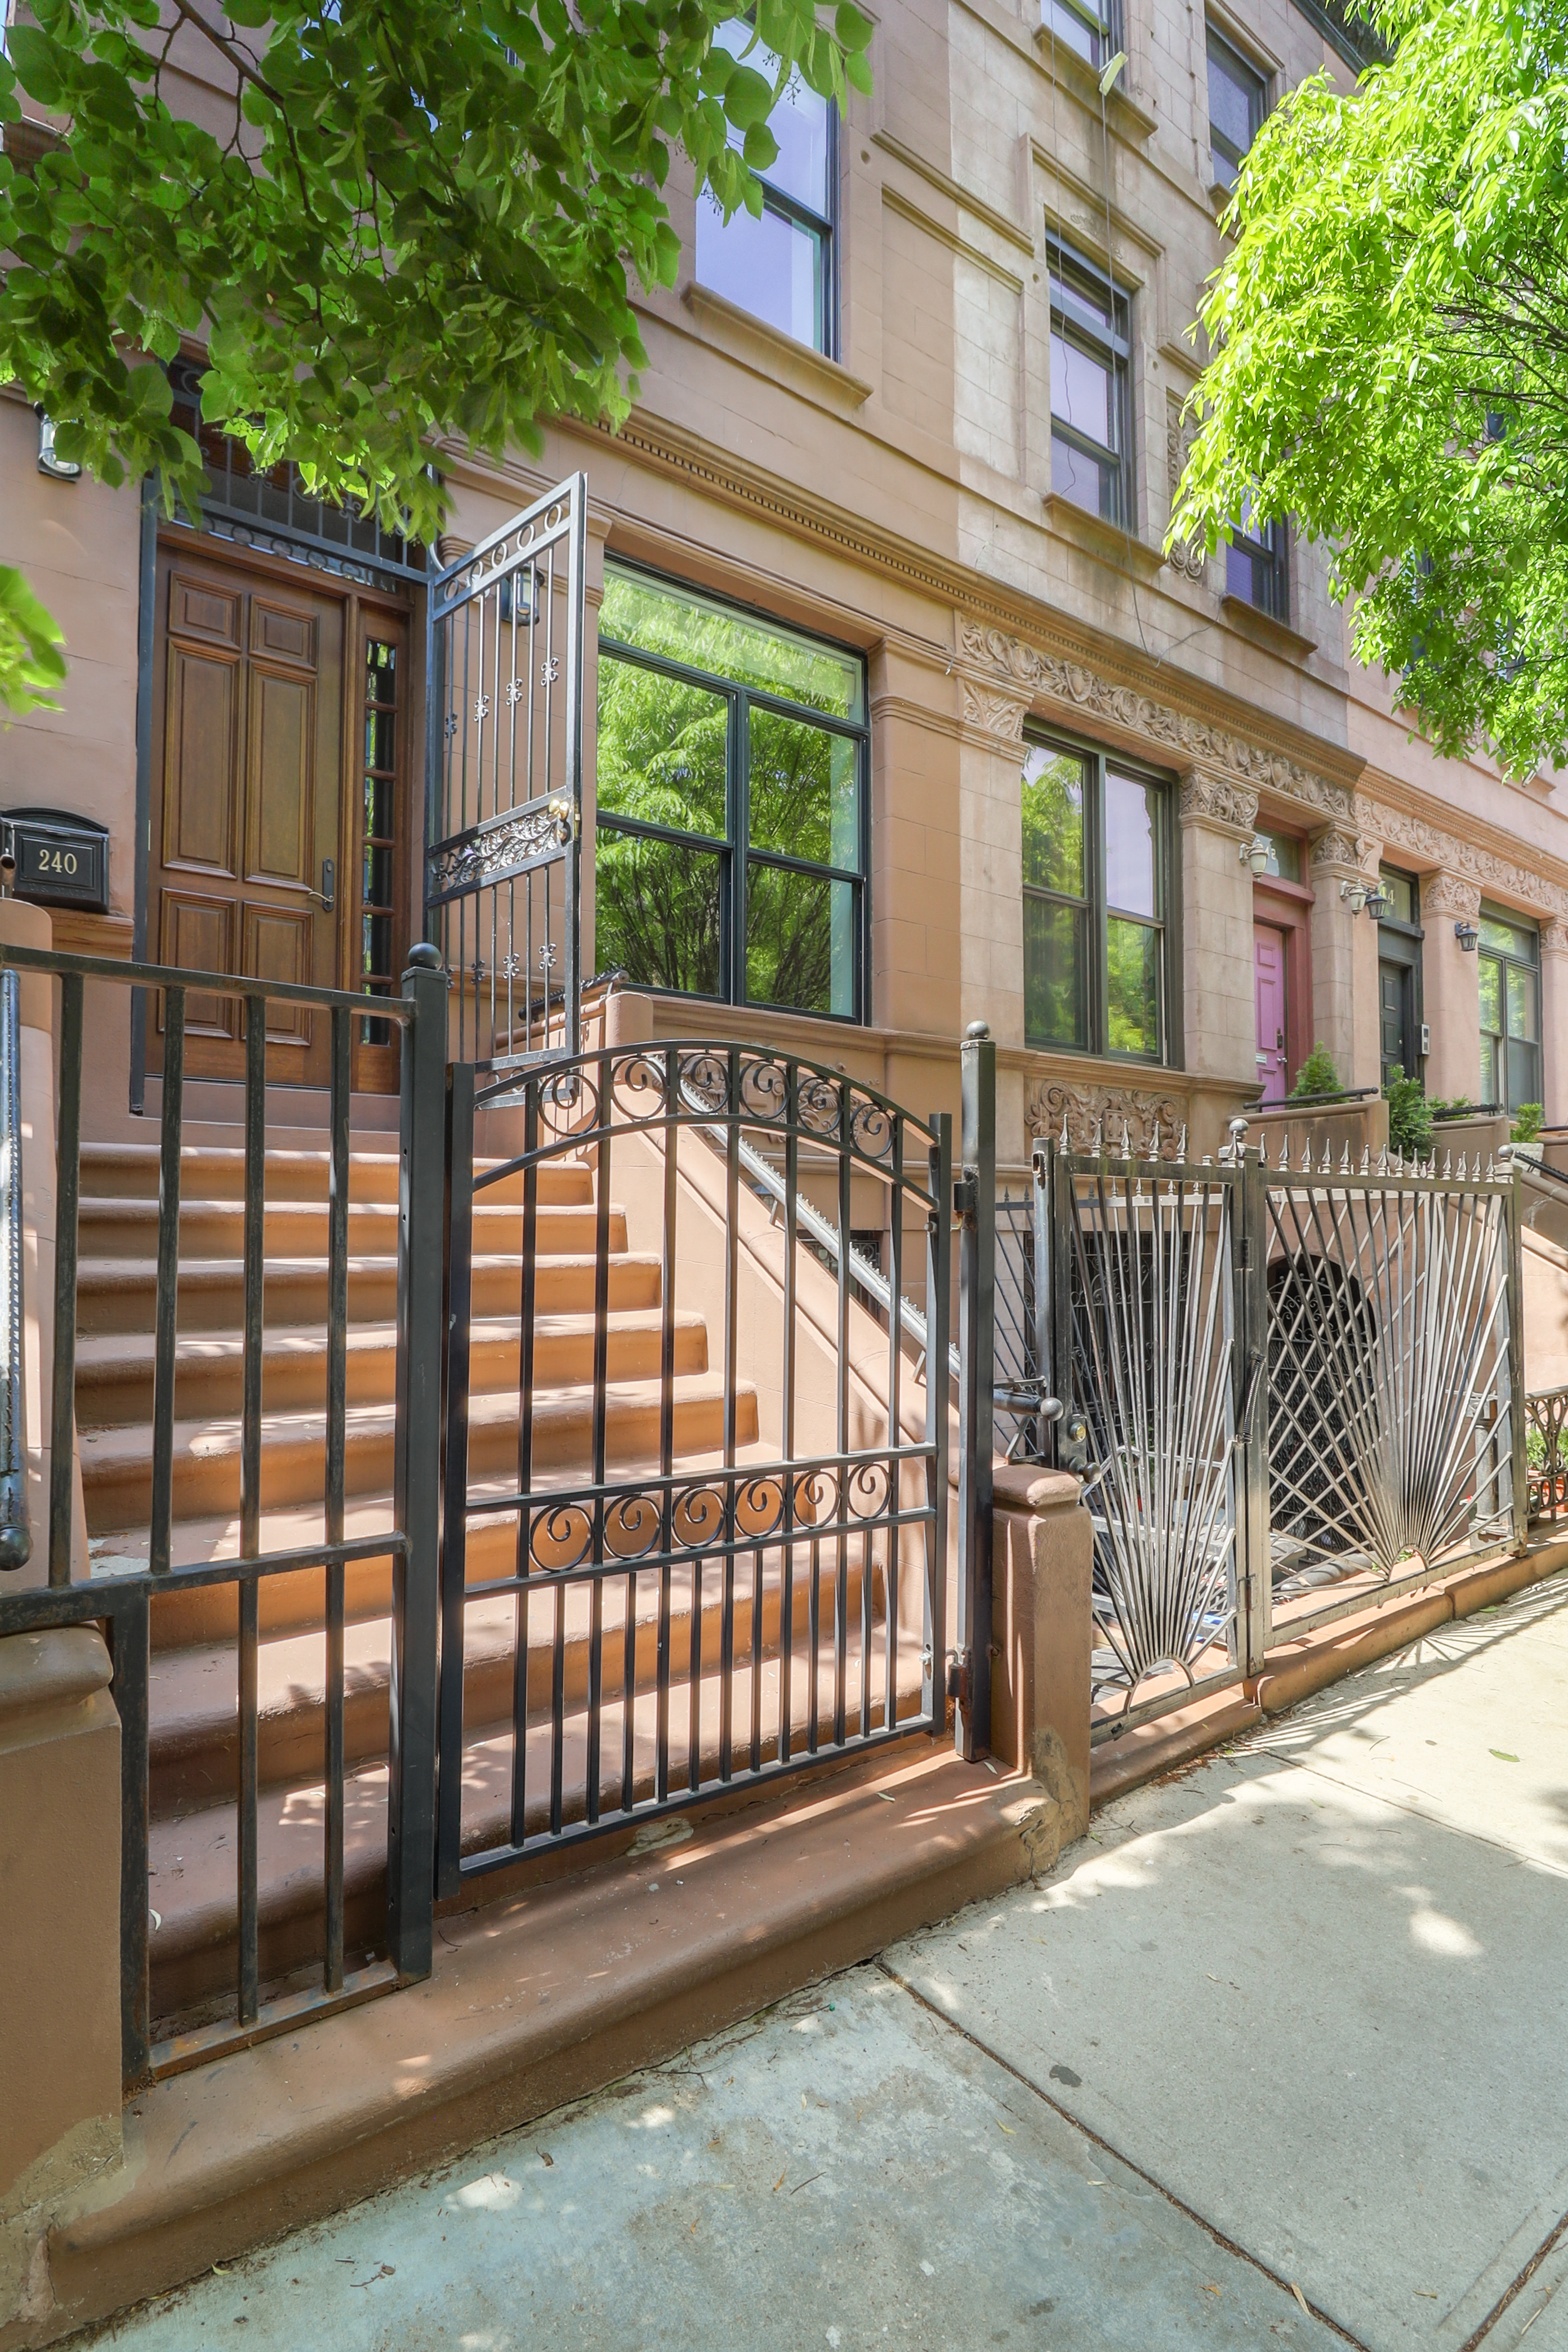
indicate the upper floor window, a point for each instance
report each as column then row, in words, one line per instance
column 1510, row 978
column 1238, row 100
column 731, row 854
column 780, row 267
column 1089, row 407
column 1256, row 568
column 1088, row 28
column 1096, row 861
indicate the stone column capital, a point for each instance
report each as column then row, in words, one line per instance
column 1448, row 893
column 988, row 709
column 1217, row 803
column 1554, row 937
column 1338, row 855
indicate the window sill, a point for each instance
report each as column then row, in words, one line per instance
column 746, row 338
column 1125, row 110
column 1277, row 636
column 1096, row 537
column 1219, row 196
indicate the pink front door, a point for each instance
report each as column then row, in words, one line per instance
column 1269, row 967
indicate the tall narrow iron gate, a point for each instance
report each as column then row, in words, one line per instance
column 719, row 1555
column 504, row 782
column 1291, row 1393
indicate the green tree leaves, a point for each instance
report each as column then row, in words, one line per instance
column 32, row 665
column 1389, row 363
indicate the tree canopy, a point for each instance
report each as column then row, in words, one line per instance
column 1388, row 366
column 405, row 218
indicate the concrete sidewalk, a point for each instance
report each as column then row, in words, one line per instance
column 1286, row 2033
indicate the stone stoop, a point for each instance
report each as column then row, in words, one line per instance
column 540, row 1998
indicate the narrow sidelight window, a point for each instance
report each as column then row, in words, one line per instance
column 1096, row 860
column 731, row 853
column 1510, row 978
column 378, row 836
column 1238, row 100
column 1090, row 351
column 780, row 268
column 1256, row 567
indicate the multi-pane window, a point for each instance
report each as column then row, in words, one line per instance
column 1510, row 1011
column 378, row 833
column 1096, row 863
column 1255, row 567
column 1238, row 100
column 780, row 267
column 1089, row 353
column 731, row 856
column 1088, row 28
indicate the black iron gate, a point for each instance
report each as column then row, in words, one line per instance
column 718, row 1552
column 504, row 782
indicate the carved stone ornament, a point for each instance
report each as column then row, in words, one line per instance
column 1101, row 1110
column 1451, row 894
column 998, row 714
column 497, row 852
column 1335, row 848
column 1186, row 556
column 1425, row 845
column 1082, row 690
column 1555, row 938
column 1209, row 798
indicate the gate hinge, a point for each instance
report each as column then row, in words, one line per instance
column 1244, row 1252
column 959, row 1676
column 967, row 1196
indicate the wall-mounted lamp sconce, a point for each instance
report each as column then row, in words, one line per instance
column 1254, row 853
column 1378, row 903
column 1355, row 895
column 59, row 469
column 1467, row 937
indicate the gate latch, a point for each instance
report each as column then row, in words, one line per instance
column 967, row 1196
column 959, row 1676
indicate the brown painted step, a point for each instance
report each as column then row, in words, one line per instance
column 193, row 1861
column 114, row 1371
column 118, row 1295
column 117, row 1464
column 299, row 1229
column 216, row 1172
column 195, row 1738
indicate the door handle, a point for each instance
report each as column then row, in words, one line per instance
column 326, row 896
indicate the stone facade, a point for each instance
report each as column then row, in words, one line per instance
column 896, row 496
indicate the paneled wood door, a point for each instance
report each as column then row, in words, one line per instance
column 247, row 755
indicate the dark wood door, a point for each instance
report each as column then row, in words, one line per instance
column 1395, row 1004
column 248, row 758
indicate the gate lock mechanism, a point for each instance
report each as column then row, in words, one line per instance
column 1072, row 1443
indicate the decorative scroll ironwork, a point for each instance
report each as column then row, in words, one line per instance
column 716, row 1576
column 1547, row 1418
column 504, row 782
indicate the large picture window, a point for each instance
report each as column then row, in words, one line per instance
column 780, row 265
column 730, row 857
column 1090, row 351
column 1096, row 862
column 1510, row 1011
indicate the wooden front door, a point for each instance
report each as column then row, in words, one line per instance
column 1268, row 972
column 247, row 761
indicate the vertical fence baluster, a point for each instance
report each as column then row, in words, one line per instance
column 454, row 1517
column 601, row 1414
column 786, row 1409
column 250, row 1491
column 528, row 1307
column 939, row 1241
column 67, row 1199
column 667, row 1263
column 977, row 1343
column 843, row 1474
column 1519, row 1480
column 158, row 1548
column 730, row 1524
column 337, row 1432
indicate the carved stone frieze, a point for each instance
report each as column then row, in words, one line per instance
column 1186, row 556
column 1425, row 845
column 1092, row 1112
column 1083, row 690
column 1451, row 894
column 998, row 714
column 1210, row 799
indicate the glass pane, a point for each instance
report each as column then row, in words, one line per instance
column 1508, row 938
column 1241, row 574
column 1086, row 39
column 1523, row 1074
column 663, row 617
column 657, row 910
column 1488, row 1071
column 1133, row 987
column 803, row 789
column 1490, row 977
column 1284, row 857
column 1053, row 786
column 1055, row 1012
column 1131, row 871
column 1082, row 479
column 800, row 939
column 1222, row 168
column 1081, row 391
column 1233, row 101
column 771, row 267
column 1522, row 1020
column 799, row 123
column 662, row 746
column 1401, row 893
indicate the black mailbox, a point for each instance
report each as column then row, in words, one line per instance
column 61, row 860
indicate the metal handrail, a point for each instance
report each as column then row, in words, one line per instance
column 16, row 1531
